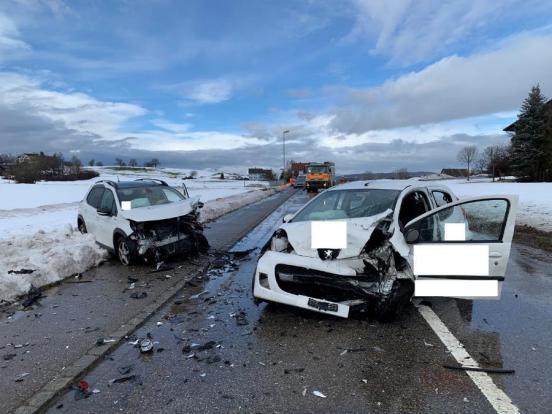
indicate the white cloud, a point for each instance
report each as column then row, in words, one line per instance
column 453, row 88
column 208, row 91
column 77, row 111
column 10, row 38
column 411, row 31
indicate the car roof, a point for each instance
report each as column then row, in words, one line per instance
column 378, row 184
column 130, row 184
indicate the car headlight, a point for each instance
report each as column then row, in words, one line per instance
column 280, row 242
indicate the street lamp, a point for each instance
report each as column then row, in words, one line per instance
column 284, row 132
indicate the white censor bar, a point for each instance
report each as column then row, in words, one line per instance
column 453, row 260
column 328, row 235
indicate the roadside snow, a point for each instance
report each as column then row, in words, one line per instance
column 535, row 199
column 52, row 256
column 221, row 206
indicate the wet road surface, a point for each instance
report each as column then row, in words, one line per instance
column 271, row 358
column 42, row 341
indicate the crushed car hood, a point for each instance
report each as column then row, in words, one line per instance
column 359, row 231
column 161, row 212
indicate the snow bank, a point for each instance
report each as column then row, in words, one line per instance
column 221, row 206
column 535, row 199
column 53, row 256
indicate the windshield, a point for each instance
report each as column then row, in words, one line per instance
column 148, row 196
column 301, row 178
column 318, row 169
column 344, row 204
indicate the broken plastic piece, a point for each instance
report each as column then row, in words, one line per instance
column 479, row 369
column 139, row 295
column 146, row 345
column 319, row 394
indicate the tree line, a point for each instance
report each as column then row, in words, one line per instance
column 528, row 155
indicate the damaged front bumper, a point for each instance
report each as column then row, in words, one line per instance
column 170, row 244
column 161, row 238
column 332, row 286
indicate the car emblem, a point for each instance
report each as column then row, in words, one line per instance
column 328, row 254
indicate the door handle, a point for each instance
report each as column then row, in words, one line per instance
column 495, row 255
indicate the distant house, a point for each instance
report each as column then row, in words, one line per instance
column 28, row 157
column 512, row 126
column 260, row 174
column 455, row 172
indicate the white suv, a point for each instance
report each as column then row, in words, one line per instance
column 142, row 219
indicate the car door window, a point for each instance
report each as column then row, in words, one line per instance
column 480, row 220
column 95, row 196
column 413, row 205
column 108, row 202
column 441, row 197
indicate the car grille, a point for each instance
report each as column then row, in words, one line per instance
column 322, row 285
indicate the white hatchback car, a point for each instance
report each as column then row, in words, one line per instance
column 398, row 239
column 142, row 219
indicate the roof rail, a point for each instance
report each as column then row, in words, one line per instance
column 153, row 179
column 110, row 182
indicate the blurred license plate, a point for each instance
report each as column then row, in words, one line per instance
column 320, row 305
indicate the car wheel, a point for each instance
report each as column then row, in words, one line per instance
column 126, row 251
column 81, row 226
column 401, row 294
column 201, row 243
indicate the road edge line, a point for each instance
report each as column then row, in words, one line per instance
column 501, row 403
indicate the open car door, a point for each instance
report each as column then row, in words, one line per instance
column 462, row 249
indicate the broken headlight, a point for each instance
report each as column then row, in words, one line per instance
column 280, row 243
column 135, row 226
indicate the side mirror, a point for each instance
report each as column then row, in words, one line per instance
column 412, row 235
column 287, row 218
column 104, row 211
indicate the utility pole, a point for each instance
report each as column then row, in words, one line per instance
column 284, row 132
column 492, row 163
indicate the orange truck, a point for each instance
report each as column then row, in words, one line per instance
column 320, row 175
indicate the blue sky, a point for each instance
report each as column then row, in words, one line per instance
column 373, row 85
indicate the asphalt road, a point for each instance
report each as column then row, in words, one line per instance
column 37, row 344
column 270, row 358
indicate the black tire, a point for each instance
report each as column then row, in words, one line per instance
column 201, row 243
column 81, row 225
column 125, row 249
column 400, row 296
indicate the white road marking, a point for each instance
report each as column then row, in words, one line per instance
column 496, row 397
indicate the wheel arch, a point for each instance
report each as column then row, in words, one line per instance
column 116, row 234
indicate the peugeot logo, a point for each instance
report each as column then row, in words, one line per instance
column 328, row 254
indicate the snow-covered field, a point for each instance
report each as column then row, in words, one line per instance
column 28, row 208
column 535, row 199
column 37, row 220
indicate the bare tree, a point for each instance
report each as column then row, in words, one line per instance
column 132, row 162
column 401, row 174
column 468, row 155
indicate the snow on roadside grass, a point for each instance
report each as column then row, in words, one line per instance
column 221, row 206
column 535, row 199
column 52, row 256
column 57, row 254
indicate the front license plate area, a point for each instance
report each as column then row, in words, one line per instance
column 323, row 306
